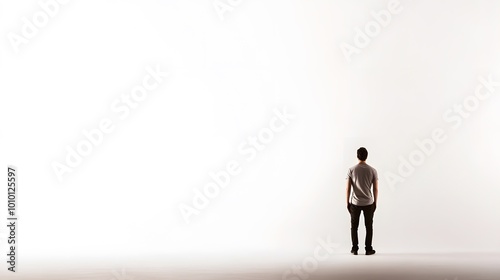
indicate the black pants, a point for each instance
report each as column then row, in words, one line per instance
column 368, row 215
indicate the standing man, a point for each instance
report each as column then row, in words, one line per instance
column 360, row 179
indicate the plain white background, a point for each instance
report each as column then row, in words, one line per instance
column 226, row 77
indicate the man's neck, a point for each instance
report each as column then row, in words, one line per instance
column 362, row 162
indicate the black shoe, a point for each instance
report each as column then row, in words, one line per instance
column 354, row 252
column 370, row 252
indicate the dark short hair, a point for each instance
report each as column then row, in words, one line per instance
column 362, row 154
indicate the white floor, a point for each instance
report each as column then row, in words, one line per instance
column 381, row 266
column 456, row 266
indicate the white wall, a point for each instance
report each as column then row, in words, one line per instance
column 226, row 78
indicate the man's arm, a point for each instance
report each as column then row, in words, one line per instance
column 375, row 190
column 348, row 191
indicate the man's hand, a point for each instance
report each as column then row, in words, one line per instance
column 349, row 207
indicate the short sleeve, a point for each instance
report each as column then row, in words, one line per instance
column 349, row 174
column 375, row 175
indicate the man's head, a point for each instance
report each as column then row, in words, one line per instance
column 362, row 154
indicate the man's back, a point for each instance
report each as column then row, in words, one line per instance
column 362, row 176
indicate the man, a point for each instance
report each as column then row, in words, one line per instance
column 360, row 179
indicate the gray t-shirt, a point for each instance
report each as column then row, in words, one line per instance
column 362, row 175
